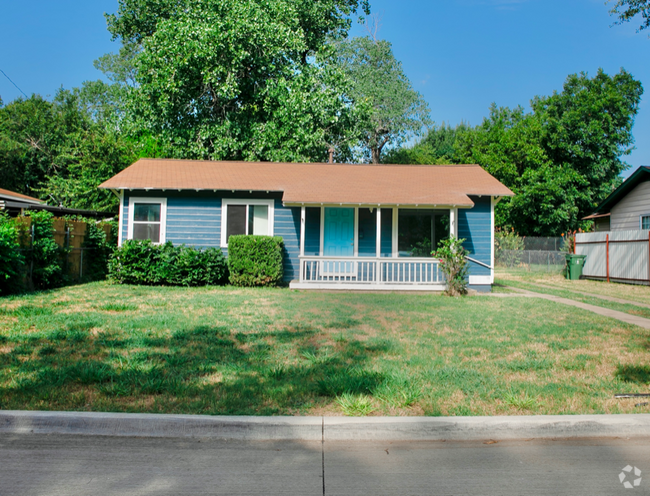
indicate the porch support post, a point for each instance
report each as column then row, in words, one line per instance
column 302, row 231
column 378, row 232
column 322, row 231
column 378, row 262
column 453, row 222
column 395, row 227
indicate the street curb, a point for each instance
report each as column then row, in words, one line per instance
column 484, row 428
column 248, row 428
column 161, row 425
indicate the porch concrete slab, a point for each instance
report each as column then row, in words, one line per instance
column 500, row 468
column 67, row 465
column 614, row 314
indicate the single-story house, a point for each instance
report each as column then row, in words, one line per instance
column 627, row 208
column 344, row 226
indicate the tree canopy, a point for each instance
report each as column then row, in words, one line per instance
column 54, row 150
column 441, row 145
column 398, row 112
column 239, row 80
column 563, row 158
column 626, row 10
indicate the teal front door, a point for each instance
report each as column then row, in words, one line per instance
column 338, row 240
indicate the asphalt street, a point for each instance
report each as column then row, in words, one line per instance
column 71, row 465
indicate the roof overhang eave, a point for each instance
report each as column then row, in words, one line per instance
column 376, row 204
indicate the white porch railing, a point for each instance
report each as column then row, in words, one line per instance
column 371, row 271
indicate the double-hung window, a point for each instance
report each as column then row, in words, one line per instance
column 147, row 219
column 246, row 217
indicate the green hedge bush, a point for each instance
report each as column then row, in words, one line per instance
column 255, row 260
column 142, row 262
column 46, row 257
column 12, row 261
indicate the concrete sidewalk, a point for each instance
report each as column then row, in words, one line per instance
column 321, row 429
column 614, row 314
column 593, row 295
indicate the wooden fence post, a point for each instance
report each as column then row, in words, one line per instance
column 607, row 250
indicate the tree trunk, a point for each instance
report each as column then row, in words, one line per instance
column 376, row 154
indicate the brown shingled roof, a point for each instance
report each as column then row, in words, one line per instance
column 18, row 196
column 316, row 183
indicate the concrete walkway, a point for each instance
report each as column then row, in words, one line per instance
column 594, row 295
column 606, row 312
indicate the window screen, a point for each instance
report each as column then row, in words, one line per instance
column 236, row 220
column 146, row 221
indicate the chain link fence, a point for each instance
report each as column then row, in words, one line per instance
column 538, row 254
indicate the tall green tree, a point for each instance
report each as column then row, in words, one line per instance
column 56, row 151
column 250, row 80
column 441, row 145
column 104, row 101
column 398, row 112
column 563, row 158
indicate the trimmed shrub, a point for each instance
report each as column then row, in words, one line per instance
column 12, row 262
column 45, row 254
column 255, row 260
column 142, row 262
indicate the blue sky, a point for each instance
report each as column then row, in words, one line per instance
column 462, row 55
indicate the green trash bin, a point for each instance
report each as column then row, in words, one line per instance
column 574, row 265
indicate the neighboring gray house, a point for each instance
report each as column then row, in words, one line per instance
column 627, row 208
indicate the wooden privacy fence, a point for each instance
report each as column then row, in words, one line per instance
column 69, row 235
column 619, row 256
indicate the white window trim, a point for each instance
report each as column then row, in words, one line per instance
column 224, row 215
column 163, row 215
column 641, row 220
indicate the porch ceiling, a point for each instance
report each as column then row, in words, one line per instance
column 318, row 183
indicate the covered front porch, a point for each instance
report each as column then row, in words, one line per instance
column 373, row 247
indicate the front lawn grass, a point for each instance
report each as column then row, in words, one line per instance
column 217, row 350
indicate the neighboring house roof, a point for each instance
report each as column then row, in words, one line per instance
column 316, row 183
column 5, row 194
column 16, row 203
column 640, row 175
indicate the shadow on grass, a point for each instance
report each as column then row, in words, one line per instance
column 634, row 373
column 201, row 369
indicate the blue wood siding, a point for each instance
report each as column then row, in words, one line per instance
column 194, row 221
column 312, row 231
column 287, row 225
column 475, row 225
